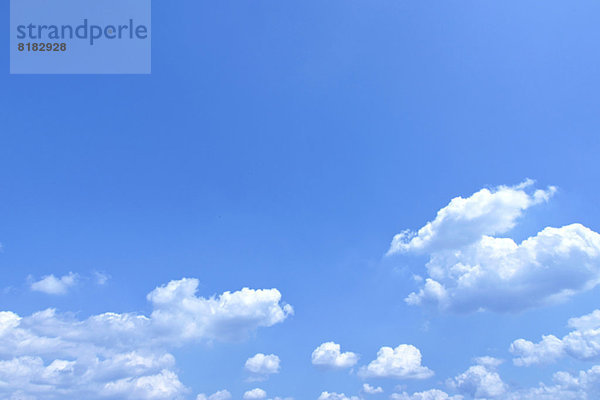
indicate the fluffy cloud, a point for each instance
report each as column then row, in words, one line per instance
column 123, row 356
column 53, row 285
column 583, row 343
column 230, row 316
column 255, row 394
column 122, row 376
column 336, row 396
column 368, row 389
column 583, row 386
column 403, row 362
column 261, row 366
column 165, row 385
column 480, row 382
column 432, row 394
column 464, row 221
column 220, row 395
column 483, row 383
column 329, row 355
column 470, row 270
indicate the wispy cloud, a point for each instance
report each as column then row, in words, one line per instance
column 50, row 284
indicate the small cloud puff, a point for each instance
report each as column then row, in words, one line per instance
column 368, row 389
column 255, row 394
column 479, row 382
column 329, row 355
column 403, row 362
column 336, row 396
column 56, row 286
column 101, row 278
column 219, row 395
column 261, row 366
column 487, row 361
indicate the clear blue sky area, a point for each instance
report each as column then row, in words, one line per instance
column 282, row 145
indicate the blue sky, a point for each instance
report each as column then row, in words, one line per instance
column 282, row 145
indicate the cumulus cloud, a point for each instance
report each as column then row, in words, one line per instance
column 261, row 366
column 368, row 389
column 583, row 343
column 329, row 355
column 403, row 362
column 548, row 350
column 164, row 385
column 336, row 396
column 52, row 285
column 219, row 395
column 470, row 269
column 464, row 221
column 230, row 316
column 433, row 394
column 482, row 383
column 255, row 394
column 123, row 356
column 582, row 386
column 479, row 382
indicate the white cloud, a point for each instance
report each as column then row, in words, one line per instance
column 583, row 386
column 261, row 366
column 403, row 362
column 329, row 354
column 53, row 285
column 482, row 383
column 479, row 382
column 548, row 350
column 336, row 396
column 230, row 316
column 583, row 343
column 433, row 394
column 368, row 389
column 470, row 270
column 164, row 385
column 464, row 221
column 220, row 395
column 123, row 356
column 255, row 394
column 487, row 361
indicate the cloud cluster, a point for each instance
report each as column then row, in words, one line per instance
column 469, row 269
column 481, row 382
column 583, row 386
column 583, row 343
column 123, row 356
column 433, row 394
column 329, row 355
column 403, row 362
column 336, row 396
